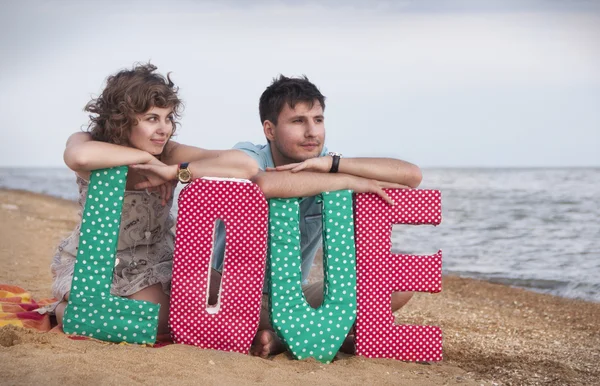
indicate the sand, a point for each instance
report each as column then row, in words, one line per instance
column 493, row 334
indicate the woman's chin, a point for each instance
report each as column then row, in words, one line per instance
column 156, row 151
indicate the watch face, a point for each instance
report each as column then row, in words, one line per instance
column 184, row 175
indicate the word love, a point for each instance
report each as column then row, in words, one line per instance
column 360, row 272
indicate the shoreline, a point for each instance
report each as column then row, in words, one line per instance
column 492, row 333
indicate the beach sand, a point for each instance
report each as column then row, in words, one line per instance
column 493, row 334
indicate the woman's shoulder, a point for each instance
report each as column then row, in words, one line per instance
column 169, row 153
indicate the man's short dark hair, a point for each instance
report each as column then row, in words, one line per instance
column 287, row 90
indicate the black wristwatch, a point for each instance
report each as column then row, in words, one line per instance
column 336, row 161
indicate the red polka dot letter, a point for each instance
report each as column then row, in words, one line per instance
column 379, row 273
column 232, row 323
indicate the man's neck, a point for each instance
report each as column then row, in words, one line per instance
column 278, row 158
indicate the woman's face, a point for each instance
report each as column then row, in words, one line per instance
column 153, row 130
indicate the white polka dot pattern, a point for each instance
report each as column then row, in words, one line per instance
column 380, row 273
column 91, row 310
column 232, row 325
column 309, row 332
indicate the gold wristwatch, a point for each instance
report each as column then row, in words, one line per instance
column 184, row 175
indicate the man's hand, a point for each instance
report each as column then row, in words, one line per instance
column 159, row 177
column 365, row 185
column 318, row 164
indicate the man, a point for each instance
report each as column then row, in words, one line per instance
column 295, row 163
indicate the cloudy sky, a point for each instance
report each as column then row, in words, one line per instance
column 438, row 83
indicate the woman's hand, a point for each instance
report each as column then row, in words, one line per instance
column 159, row 177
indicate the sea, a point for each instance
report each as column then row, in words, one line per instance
column 535, row 228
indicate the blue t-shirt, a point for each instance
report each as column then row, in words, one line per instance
column 310, row 216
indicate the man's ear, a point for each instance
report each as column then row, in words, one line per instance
column 269, row 130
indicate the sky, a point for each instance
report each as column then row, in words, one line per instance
column 437, row 83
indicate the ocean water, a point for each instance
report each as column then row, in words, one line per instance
column 532, row 228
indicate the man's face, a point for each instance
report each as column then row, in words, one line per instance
column 298, row 135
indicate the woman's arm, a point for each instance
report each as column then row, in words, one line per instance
column 202, row 163
column 209, row 163
column 176, row 153
column 83, row 155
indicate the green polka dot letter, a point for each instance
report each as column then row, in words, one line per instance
column 92, row 311
column 309, row 332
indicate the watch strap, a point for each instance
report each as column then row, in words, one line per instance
column 335, row 164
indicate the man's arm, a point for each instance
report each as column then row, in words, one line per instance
column 380, row 169
column 291, row 183
column 287, row 184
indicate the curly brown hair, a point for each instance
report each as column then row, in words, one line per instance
column 127, row 93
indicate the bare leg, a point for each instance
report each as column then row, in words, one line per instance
column 314, row 294
column 155, row 294
column 399, row 299
column 59, row 311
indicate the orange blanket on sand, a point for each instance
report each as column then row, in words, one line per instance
column 17, row 308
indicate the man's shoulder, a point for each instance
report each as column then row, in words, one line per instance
column 260, row 153
column 246, row 145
